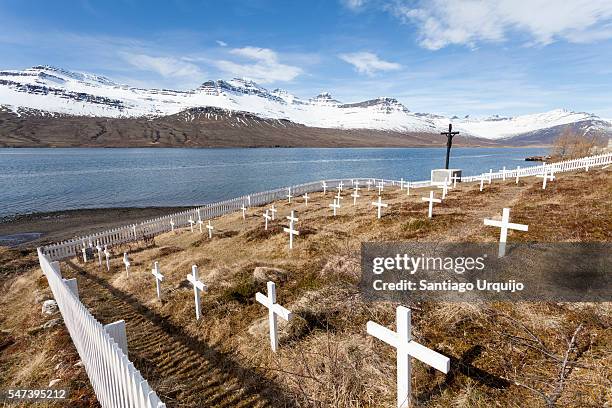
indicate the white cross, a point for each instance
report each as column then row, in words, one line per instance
column 99, row 248
column 340, row 185
column 200, row 223
column 191, row 222
column 431, row 200
column 356, row 184
column 171, row 224
column 273, row 211
column 401, row 183
column 210, row 228
column 291, row 230
column 289, row 194
column 197, row 288
column 379, row 204
column 504, row 224
column 243, row 208
column 444, row 188
column 517, row 173
column 126, row 262
column 158, row 278
column 338, row 196
column 381, row 187
column 266, row 217
column 481, row 181
column 455, row 178
column 274, row 309
column 249, row 199
column 503, row 172
column 545, row 177
column 107, row 255
column 408, row 188
column 406, row 348
column 355, row 196
column 369, row 184
column 84, row 251
column 306, row 198
column 490, row 175
column 335, row 205
column 324, row 184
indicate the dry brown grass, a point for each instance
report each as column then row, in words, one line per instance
column 502, row 354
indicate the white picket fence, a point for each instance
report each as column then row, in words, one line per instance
column 135, row 232
column 115, row 381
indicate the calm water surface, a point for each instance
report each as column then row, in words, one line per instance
column 36, row 180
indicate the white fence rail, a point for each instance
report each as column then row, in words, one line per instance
column 70, row 248
column 115, row 381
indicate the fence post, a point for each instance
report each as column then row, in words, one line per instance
column 73, row 286
column 117, row 331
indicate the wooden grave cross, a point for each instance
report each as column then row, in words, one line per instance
column 505, row 225
column 455, row 178
column 126, row 262
column 355, row 195
column 335, row 205
column 197, row 288
column 266, row 217
column 210, row 229
column 191, row 222
column 107, row 255
column 291, row 230
column 324, row 184
column 158, row 278
column 306, row 198
column 380, row 205
column 406, row 348
column 518, row 168
column 274, row 310
column 273, row 211
column 243, row 208
column 444, row 188
column 545, row 177
column 431, row 200
column 99, row 249
column 289, row 196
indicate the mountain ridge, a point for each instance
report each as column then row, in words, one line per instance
column 59, row 93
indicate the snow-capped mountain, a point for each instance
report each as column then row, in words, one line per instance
column 55, row 91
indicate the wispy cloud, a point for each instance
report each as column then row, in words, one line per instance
column 263, row 65
column 354, row 5
column 164, row 66
column 221, row 43
column 368, row 63
column 467, row 22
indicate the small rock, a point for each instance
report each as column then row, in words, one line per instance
column 265, row 273
column 51, row 323
column 53, row 382
column 49, row 307
column 57, row 366
column 78, row 364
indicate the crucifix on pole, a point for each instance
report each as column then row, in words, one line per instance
column 449, row 141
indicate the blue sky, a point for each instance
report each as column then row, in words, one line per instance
column 453, row 57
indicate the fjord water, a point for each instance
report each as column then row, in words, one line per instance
column 41, row 180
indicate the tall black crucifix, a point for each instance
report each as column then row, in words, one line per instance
column 449, row 141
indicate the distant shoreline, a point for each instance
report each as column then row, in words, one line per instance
column 57, row 226
column 536, row 146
